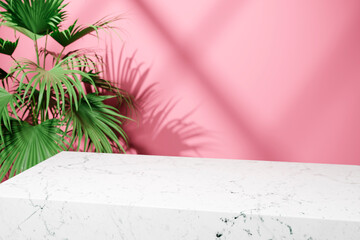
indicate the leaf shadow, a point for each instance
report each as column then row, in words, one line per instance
column 153, row 132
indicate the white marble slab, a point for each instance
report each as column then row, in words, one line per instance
column 133, row 197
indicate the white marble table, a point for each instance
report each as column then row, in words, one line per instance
column 103, row 196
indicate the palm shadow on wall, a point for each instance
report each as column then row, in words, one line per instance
column 152, row 132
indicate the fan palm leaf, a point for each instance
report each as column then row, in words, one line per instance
column 63, row 80
column 109, row 89
column 28, row 108
column 34, row 16
column 26, row 145
column 8, row 102
column 76, row 32
column 8, row 47
column 4, row 78
column 3, row 74
column 24, row 31
column 97, row 123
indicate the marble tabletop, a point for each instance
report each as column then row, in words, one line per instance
column 115, row 196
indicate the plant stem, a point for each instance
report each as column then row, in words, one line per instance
column 14, row 59
column 42, row 115
column 33, row 108
column 36, row 113
column 46, row 39
column 58, row 58
column 19, row 64
column 37, row 51
column 44, row 112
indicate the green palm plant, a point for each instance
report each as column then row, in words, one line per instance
column 8, row 47
column 47, row 109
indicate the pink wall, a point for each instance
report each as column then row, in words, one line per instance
column 270, row 80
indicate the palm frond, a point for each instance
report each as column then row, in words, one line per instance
column 4, row 79
column 37, row 16
column 8, row 47
column 3, row 74
column 28, row 108
column 63, row 80
column 97, row 123
column 24, row 31
column 76, row 32
column 26, row 145
column 8, row 102
column 107, row 88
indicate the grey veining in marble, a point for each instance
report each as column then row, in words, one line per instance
column 135, row 197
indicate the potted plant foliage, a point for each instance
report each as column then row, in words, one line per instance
column 51, row 106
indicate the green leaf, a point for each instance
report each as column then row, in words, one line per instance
column 4, row 78
column 109, row 88
column 8, row 47
column 22, row 30
column 74, row 32
column 27, row 109
column 63, row 81
column 3, row 74
column 97, row 123
column 27, row 145
column 37, row 16
column 8, row 102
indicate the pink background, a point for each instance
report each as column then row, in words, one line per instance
column 271, row 80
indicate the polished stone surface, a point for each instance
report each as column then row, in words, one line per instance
column 135, row 197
